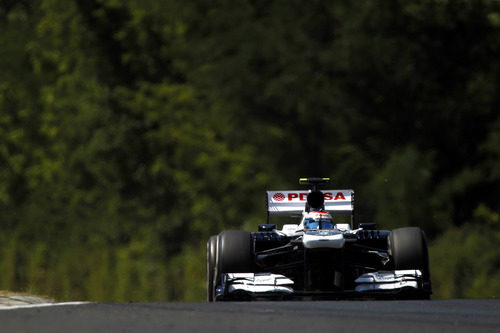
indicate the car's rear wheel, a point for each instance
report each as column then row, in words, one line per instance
column 211, row 262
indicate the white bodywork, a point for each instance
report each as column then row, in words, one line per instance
column 388, row 280
column 333, row 239
column 290, row 229
column 258, row 283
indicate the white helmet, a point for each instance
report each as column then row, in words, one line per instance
column 317, row 220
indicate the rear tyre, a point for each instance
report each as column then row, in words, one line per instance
column 211, row 262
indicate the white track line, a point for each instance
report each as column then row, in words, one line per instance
column 40, row 305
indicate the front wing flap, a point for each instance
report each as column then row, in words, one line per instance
column 250, row 285
column 381, row 284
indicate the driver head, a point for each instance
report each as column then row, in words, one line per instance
column 317, row 220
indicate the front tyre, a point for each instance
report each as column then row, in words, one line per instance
column 234, row 252
column 211, row 264
column 408, row 250
column 233, row 255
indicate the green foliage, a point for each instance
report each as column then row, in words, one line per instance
column 131, row 131
column 402, row 192
column 465, row 261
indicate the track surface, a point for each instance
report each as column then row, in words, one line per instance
column 260, row 317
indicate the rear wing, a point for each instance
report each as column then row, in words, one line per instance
column 293, row 203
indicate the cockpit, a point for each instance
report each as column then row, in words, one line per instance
column 318, row 221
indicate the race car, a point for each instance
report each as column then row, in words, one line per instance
column 322, row 257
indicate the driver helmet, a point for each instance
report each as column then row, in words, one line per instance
column 318, row 220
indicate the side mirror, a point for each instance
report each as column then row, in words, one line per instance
column 267, row 227
column 368, row 225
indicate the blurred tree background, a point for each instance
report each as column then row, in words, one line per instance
column 130, row 131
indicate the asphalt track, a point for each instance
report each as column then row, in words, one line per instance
column 259, row 317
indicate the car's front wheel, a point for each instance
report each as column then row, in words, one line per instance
column 234, row 252
column 211, row 262
column 408, row 250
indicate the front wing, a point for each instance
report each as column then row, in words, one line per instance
column 378, row 285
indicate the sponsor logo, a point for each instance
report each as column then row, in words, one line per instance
column 278, row 196
column 339, row 196
column 302, row 196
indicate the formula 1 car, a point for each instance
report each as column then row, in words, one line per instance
column 322, row 257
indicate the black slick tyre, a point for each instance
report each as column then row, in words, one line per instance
column 408, row 250
column 211, row 265
column 234, row 253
